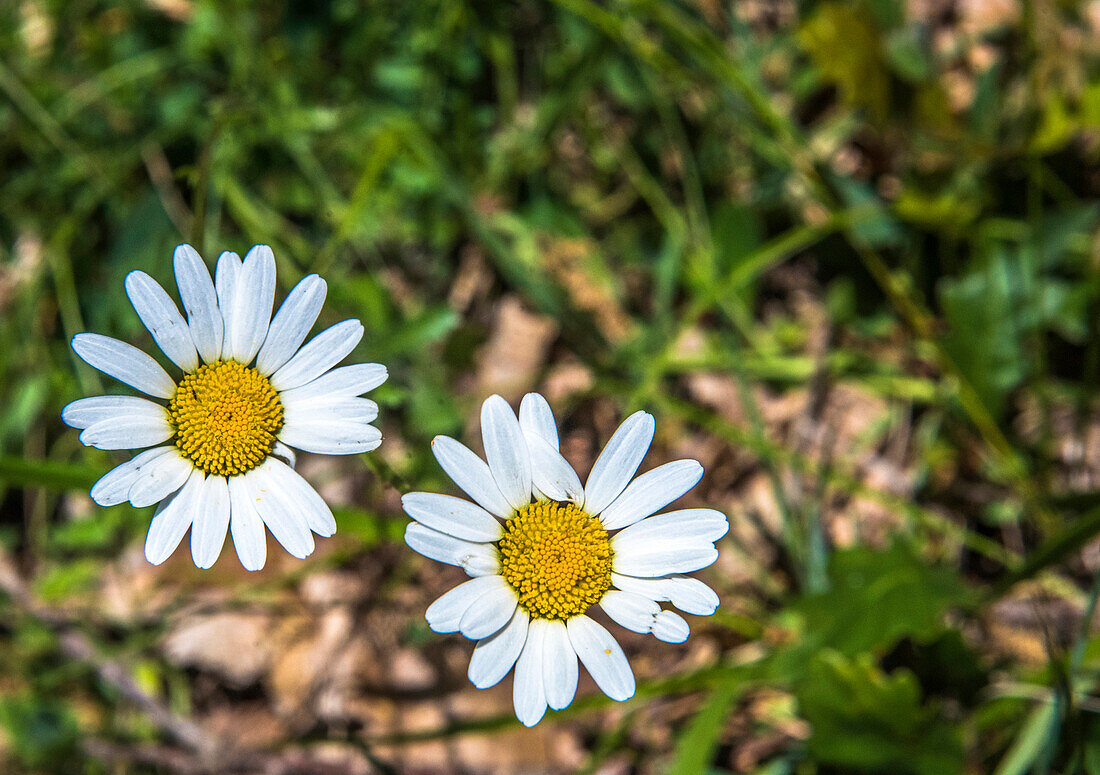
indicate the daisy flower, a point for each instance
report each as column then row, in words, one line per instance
column 220, row 437
column 543, row 549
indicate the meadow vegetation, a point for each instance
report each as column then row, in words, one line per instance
column 846, row 253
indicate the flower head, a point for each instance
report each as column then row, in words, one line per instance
column 543, row 549
column 221, row 436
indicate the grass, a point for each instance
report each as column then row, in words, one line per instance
column 846, row 255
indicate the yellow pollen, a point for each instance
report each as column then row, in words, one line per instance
column 557, row 558
column 226, row 417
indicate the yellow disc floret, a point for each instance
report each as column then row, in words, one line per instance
column 557, row 558
column 226, row 417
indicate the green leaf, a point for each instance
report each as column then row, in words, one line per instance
column 68, row 578
column 868, row 720
column 846, row 46
column 95, row 532
column 42, row 731
column 984, row 338
column 1054, row 234
column 737, row 233
column 51, row 474
column 1057, row 126
column 1031, row 741
column 946, row 667
column 418, row 333
column 877, row 598
column 371, row 528
column 907, row 54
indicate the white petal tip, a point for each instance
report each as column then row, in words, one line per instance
column 670, row 627
column 183, row 249
column 66, row 416
column 441, row 629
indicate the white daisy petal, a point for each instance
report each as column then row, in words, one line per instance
column 350, row 409
column 246, row 526
column 341, row 382
column 482, row 563
column 86, row 412
column 320, row 354
column 471, row 474
column 660, row 555
column 475, row 558
column 493, row 657
column 330, row 437
column 201, row 302
column 159, row 478
column 445, row 614
column 506, row 451
column 684, row 525
column 125, row 363
column 602, row 657
column 651, row 492
column 317, row 514
column 631, row 611
column 559, row 666
column 292, row 323
column 211, row 522
column 536, row 416
column 689, row 595
column 551, row 473
column 670, row 627
column 113, row 487
column 280, row 513
column 528, row 694
column 493, row 610
column 172, row 519
column 140, row 429
column 453, row 516
column 246, row 326
column 284, row 453
column 226, row 273
column 163, row 319
column 618, row 462
column 692, row 596
column 330, row 407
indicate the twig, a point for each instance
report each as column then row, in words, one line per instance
column 76, row 646
column 160, row 173
column 163, row 757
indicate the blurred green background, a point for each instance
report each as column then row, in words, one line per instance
column 846, row 252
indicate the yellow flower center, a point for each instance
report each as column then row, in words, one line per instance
column 557, row 558
column 226, row 417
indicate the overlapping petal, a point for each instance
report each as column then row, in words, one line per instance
column 618, row 462
column 204, row 318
